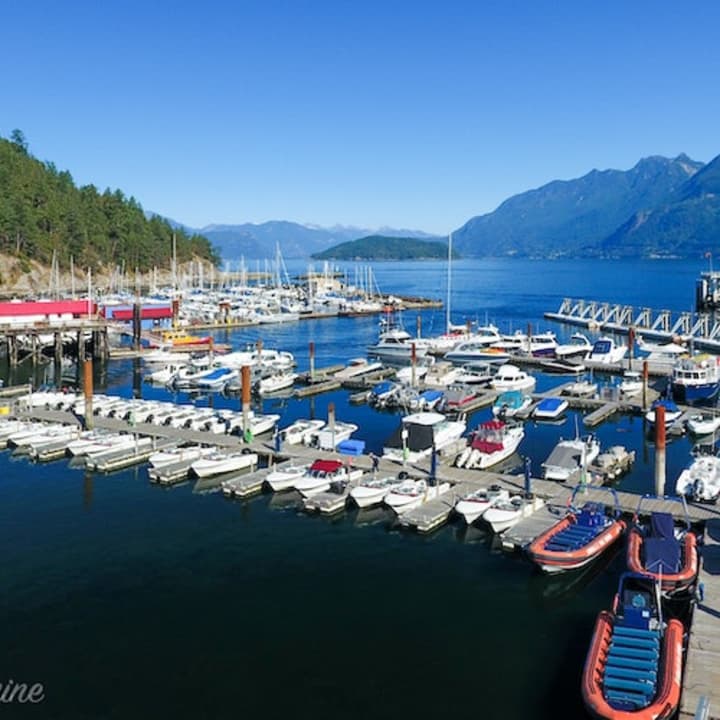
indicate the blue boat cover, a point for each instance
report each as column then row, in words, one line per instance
column 662, row 555
column 591, row 515
column 431, row 395
column 382, row 388
column 551, row 403
column 662, row 525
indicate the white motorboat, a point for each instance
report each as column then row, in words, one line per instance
column 510, row 403
column 258, row 424
column 357, row 367
column 218, row 463
column 418, row 433
column 511, row 377
column 476, row 373
column 173, row 455
column 372, row 491
column 606, row 352
column 285, row 478
column 474, row 504
column 493, row 442
column 477, row 350
column 631, row 384
column 55, row 434
column 275, row 383
column 672, row 411
column 23, row 438
column 328, row 438
column 300, row 431
column 581, row 388
column 507, row 513
column 164, row 375
column 213, row 379
column 578, row 347
column 569, row 456
column 324, row 473
column 541, row 345
column 701, row 480
column 93, row 441
column 413, row 493
column 396, row 344
column 405, row 374
column 703, row 424
column 550, row 408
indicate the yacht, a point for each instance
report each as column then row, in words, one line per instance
column 372, row 491
column 413, row 493
column 578, row 348
column 475, row 503
column 477, row 350
column 493, row 442
column 218, row 463
column 511, row 377
column 569, row 456
column 396, row 344
column 419, row 433
column 606, row 352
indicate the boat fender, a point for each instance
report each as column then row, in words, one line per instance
column 402, row 475
column 246, row 451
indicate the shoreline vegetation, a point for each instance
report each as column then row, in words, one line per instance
column 383, row 247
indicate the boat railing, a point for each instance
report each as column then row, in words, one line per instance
column 703, row 708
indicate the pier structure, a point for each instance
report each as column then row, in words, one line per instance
column 701, row 329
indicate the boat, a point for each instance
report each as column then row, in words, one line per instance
column 357, row 367
column 300, row 431
column 578, row 347
column 275, row 383
column 696, row 379
column 631, row 383
column 582, row 388
column 701, row 480
column 510, row 403
column 550, row 408
column 662, row 354
column 476, row 373
column 328, row 438
column 285, row 478
column 541, row 345
column 405, row 374
column 569, row 457
column 395, row 343
column 672, row 412
column 560, row 366
column 579, row 538
column 372, row 491
column 413, row 493
column 491, row 443
column 633, row 667
column 182, row 339
column 507, row 513
column 420, row 433
column 324, row 473
column 173, row 455
column 606, row 352
column 663, row 549
column 700, row 424
column 511, row 377
column 472, row 506
column 477, row 350
column 382, row 392
column 218, row 463
column 214, row 379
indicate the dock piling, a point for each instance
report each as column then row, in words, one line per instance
column 527, row 468
column 312, row 361
column 245, row 389
column 88, row 391
column 646, row 375
column 659, row 450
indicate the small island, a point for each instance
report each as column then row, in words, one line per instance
column 382, row 247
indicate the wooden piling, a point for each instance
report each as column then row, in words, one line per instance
column 245, row 389
column 659, row 450
column 312, row 361
column 88, row 391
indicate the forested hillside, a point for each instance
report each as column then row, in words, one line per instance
column 42, row 211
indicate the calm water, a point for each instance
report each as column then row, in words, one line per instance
column 127, row 600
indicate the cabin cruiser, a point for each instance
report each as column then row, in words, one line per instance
column 476, row 373
column 477, row 350
column 413, row 493
column 218, row 463
column 492, row 442
column 541, row 345
column 511, row 377
column 475, row 503
column 701, row 480
column 578, row 348
column 324, row 473
column 300, row 431
column 606, row 352
column 569, row 456
column 372, row 491
column 396, row 344
column 696, row 379
column 419, row 433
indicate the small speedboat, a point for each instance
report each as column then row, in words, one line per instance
column 579, row 538
column 634, row 665
column 701, row 480
column 413, row 493
column 550, row 408
column 322, row 474
column 701, row 424
column 275, row 383
column 168, row 457
column 373, row 490
column 510, row 403
column 285, row 478
column 631, row 384
column 664, row 550
column 300, row 431
column 507, row 513
column 492, row 442
column 569, row 456
column 474, row 504
column 581, row 388
column 672, row 412
column 218, row 463
column 511, row 377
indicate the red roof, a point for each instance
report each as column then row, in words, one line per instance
column 326, row 465
column 54, row 307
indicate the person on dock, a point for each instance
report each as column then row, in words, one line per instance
column 375, row 460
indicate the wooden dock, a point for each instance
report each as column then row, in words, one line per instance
column 243, row 486
column 702, row 664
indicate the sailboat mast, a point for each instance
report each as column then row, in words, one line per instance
column 449, row 285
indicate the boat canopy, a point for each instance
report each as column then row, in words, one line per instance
column 328, row 466
column 382, row 388
column 419, row 437
column 492, row 425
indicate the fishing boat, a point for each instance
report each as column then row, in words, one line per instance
column 491, row 443
column 579, row 538
column 606, row 352
column 507, row 513
column 474, row 504
column 672, row 412
column 218, row 463
column 372, row 491
column 550, row 408
column 701, row 480
column 696, row 379
column 631, row 383
column 633, row 667
column 511, row 377
column 324, row 473
column 300, row 431
column 663, row 549
column 701, row 424
column 419, row 433
column 413, row 493
column 285, row 478
column 510, row 403
column 570, row 456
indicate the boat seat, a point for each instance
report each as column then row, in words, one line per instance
column 636, row 642
column 635, row 632
column 631, row 673
column 639, row 653
column 644, row 688
column 631, row 663
column 634, row 701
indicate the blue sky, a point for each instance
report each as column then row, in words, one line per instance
column 408, row 114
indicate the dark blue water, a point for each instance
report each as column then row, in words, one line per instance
column 127, row 600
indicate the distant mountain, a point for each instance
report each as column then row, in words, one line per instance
column 686, row 226
column 383, row 247
column 296, row 241
column 569, row 217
